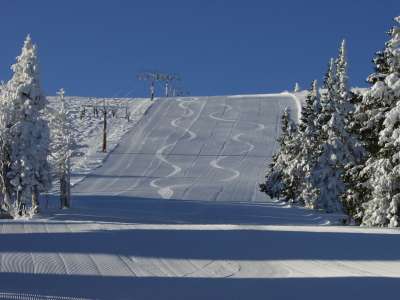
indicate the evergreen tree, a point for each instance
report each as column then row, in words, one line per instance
column 382, row 169
column 276, row 180
column 370, row 111
column 334, row 148
column 341, row 69
column 322, row 185
column 62, row 148
column 27, row 132
column 292, row 175
column 309, row 135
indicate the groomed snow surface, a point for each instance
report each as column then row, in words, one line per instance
column 174, row 212
column 88, row 132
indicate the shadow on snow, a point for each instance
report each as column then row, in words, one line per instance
column 196, row 288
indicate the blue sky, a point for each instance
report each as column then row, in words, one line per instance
column 96, row 48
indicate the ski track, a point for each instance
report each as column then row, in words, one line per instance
column 251, row 146
column 214, row 164
column 228, row 108
column 127, row 166
column 190, row 112
column 167, row 192
column 148, row 168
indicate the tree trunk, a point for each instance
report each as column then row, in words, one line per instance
column 63, row 190
column 105, row 131
column 65, row 186
column 68, row 202
column 6, row 185
column 18, row 203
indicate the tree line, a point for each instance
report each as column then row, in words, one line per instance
column 344, row 155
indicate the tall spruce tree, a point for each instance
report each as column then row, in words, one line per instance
column 341, row 70
column 309, row 135
column 27, row 132
column 383, row 168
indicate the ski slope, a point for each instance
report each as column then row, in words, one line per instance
column 211, row 148
column 175, row 213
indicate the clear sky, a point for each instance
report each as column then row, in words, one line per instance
column 97, row 47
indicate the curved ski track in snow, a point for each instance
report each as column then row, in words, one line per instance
column 236, row 138
column 167, row 192
column 190, row 112
column 228, row 108
column 214, row 164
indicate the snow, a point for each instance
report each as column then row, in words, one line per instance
column 158, row 219
column 89, row 130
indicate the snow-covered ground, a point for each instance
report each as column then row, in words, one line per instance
column 174, row 213
column 88, row 131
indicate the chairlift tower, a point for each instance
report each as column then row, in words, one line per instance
column 153, row 77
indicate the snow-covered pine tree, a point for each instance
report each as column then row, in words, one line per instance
column 344, row 107
column 62, row 145
column 383, row 168
column 274, row 179
column 322, row 185
column 309, row 135
column 292, row 175
column 375, row 102
column 341, row 70
column 5, row 152
column 336, row 148
column 28, row 133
